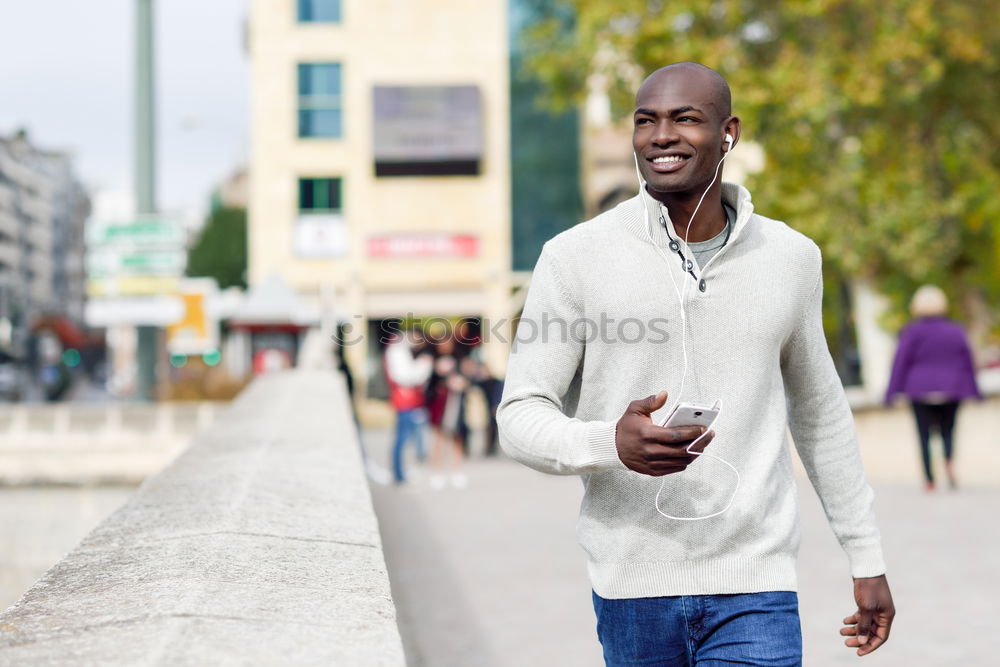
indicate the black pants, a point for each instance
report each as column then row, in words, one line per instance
column 938, row 417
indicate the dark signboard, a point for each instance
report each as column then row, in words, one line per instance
column 427, row 130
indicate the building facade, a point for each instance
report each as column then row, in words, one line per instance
column 546, row 196
column 43, row 213
column 380, row 169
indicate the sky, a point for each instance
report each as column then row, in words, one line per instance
column 66, row 76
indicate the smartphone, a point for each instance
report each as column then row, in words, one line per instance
column 688, row 414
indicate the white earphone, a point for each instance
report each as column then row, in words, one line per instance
column 682, row 299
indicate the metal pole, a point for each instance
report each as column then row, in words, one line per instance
column 145, row 145
column 145, row 174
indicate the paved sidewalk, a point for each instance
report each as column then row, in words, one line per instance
column 491, row 574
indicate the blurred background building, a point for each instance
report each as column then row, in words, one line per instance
column 43, row 211
column 412, row 176
column 380, row 175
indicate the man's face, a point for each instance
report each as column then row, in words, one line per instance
column 678, row 132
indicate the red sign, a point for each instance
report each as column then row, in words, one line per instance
column 423, row 245
column 271, row 359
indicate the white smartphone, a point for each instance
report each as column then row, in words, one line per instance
column 689, row 414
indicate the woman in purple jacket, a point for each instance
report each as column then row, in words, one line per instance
column 934, row 369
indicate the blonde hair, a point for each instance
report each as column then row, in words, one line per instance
column 929, row 301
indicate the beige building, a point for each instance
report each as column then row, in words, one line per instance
column 379, row 173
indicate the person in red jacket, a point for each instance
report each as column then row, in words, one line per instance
column 407, row 371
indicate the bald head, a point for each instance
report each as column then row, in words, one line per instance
column 713, row 88
column 683, row 113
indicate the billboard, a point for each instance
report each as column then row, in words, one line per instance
column 427, row 130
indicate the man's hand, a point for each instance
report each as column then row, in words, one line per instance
column 654, row 450
column 868, row 627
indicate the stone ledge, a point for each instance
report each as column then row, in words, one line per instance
column 258, row 545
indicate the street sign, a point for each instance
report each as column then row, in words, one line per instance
column 138, row 233
column 156, row 311
column 136, row 258
column 132, row 286
column 197, row 331
column 113, row 262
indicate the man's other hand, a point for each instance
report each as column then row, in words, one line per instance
column 655, row 450
column 868, row 627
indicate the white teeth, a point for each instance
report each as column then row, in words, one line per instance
column 669, row 158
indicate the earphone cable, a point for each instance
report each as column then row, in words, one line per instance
column 682, row 298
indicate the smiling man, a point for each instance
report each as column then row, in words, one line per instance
column 691, row 557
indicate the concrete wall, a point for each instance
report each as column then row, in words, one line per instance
column 258, row 545
column 89, row 444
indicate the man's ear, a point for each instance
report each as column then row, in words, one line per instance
column 732, row 127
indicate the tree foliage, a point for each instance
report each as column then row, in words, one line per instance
column 221, row 249
column 877, row 117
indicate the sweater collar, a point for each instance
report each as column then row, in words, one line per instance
column 645, row 226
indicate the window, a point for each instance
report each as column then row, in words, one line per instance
column 319, row 100
column 320, row 230
column 319, row 195
column 319, row 11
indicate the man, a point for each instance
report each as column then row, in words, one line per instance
column 732, row 315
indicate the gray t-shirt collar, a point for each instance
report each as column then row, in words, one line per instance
column 719, row 239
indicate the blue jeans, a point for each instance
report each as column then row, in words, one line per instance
column 409, row 424
column 749, row 629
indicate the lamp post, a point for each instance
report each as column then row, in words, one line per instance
column 145, row 175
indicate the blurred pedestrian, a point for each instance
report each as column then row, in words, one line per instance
column 446, row 404
column 934, row 369
column 407, row 369
column 480, row 376
column 345, row 370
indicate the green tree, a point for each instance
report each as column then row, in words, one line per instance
column 221, row 249
column 877, row 118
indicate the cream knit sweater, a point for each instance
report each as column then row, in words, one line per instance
column 601, row 327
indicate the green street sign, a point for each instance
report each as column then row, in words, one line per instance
column 109, row 262
column 138, row 233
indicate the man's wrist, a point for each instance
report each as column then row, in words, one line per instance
column 866, row 561
column 602, row 442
